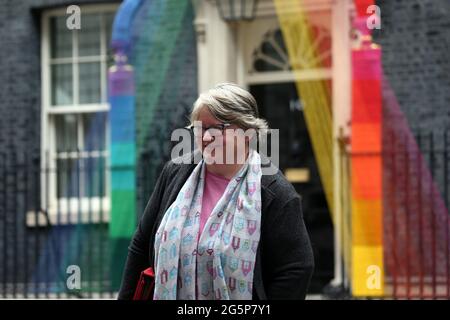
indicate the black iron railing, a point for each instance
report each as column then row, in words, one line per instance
column 416, row 221
column 54, row 239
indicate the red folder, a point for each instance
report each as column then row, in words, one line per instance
column 146, row 285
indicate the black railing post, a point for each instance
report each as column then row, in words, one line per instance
column 58, row 229
column 68, row 216
column 5, row 220
column 433, row 218
column 79, row 214
column 45, row 210
column 420, row 188
column 88, row 174
column 407, row 222
column 25, row 233
column 102, row 241
column 447, row 218
column 37, row 177
column 14, row 212
column 394, row 196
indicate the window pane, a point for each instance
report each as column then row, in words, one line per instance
column 81, row 174
column 89, row 35
column 89, row 82
column 82, row 177
column 94, row 177
column 94, row 128
column 66, row 133
column 68, row 174
column 61, row 38
column 61, row 77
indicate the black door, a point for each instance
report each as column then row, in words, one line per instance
column 280, row 106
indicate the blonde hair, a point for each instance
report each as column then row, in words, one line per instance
column 229, row 103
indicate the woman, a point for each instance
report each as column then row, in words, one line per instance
column 221, row 229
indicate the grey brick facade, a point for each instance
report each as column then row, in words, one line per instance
column 415, row 40
column 36, row 253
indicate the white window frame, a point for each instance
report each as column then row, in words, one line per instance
column 70, row 210
column 250, row 36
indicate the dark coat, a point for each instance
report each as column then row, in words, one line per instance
column 284, row 259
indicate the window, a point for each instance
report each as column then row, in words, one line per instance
column 74, row 179
column 266, row 59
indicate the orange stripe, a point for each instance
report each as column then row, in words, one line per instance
column 367, row 228
column 366, row 177
column 366, row 137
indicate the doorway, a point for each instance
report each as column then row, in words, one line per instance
column 280, row 105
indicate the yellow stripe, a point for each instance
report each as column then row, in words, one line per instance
column 367, row 227
column 314, row 95
column 362, row 239
column 367, row 271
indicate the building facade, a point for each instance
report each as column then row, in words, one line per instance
column 55, row 148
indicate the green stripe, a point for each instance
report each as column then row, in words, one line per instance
column 123, row 213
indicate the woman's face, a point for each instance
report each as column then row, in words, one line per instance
column 215, row 143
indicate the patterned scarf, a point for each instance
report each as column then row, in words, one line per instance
column 221, row 265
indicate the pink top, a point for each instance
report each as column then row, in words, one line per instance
column 212, row 192
column 214, row 188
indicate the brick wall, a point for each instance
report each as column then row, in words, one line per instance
column 415, row 40
column 20, row 93
column 26, row 253
column 415, row 37
column 31, row 253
